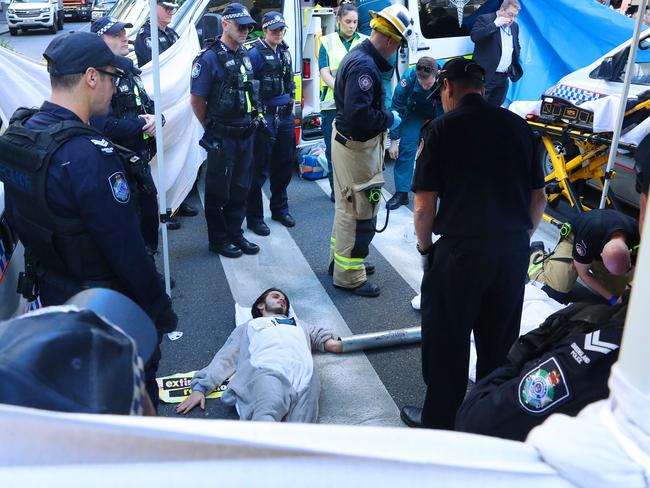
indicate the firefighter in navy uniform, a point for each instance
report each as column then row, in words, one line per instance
column 166, row 35
column 69, row 196
column 274, row 148
column 358, row 147
column 224, row 97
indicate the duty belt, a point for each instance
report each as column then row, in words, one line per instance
column 230, row 130
column 281, row 110
column 342, row 139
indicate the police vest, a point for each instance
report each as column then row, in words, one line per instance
column 276, row 74
column 237, row 95
column 58, row 244
column 131, row 99
column 336, row 51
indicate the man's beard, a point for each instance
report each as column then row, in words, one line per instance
column 277, row 309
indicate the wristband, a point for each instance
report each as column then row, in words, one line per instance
column 613, row 300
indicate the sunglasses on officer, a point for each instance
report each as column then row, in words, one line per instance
column 115, row 77
column 169, row 10
column 243, row 27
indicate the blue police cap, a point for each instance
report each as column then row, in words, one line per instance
column 273, row 20
column 237, row 13
column 75, row 52
column 108, row 25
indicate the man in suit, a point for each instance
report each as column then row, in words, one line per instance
column 496, row 49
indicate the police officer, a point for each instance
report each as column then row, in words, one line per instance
column 358, row 147
column 413, row 100
column 68, row 195
column 274, row 147
column 166, row 35
column 224, row 97
column 474, row 274
column 642, row 160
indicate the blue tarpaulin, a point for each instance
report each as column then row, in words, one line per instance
column 560, row 36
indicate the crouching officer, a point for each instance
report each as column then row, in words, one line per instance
column 274, row 147
column 68, row 195
column 166, row 35
column 224, row 97
column 358, row 146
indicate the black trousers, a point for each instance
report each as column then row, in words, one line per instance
column 227, row 180
column 472, row 284
column 149, row 215
column 496, row 89
column 274, row 154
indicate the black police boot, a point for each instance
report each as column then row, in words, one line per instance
column 259, row 227
column 225, row 248
column 370, row 269
column 411, row 416
column 173, row 224
column 246, row 246
column 287, row 220
column 187, row 210
column 398, row 199
column 536, row 246
column 367, row 290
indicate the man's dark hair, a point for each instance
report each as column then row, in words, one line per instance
column 65, row 82
column 468, row 83
column 255, row 312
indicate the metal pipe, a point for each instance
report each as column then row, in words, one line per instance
column 387, row 338
column 631, row 58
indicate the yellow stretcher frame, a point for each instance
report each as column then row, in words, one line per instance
column 588, row 164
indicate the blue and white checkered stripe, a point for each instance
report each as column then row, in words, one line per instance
column 35, row 305
column 137, row 404
column 575, row 94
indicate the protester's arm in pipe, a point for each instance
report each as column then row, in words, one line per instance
column 537, row 206
column 424, row 213
column 199, row 107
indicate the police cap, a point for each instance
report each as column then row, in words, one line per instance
column 237, row 13
column 457, row 69
column 75, row 52
column 273, row 20
column 168, row 3
column 108, row 25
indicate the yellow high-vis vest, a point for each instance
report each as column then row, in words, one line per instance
column 336, row 51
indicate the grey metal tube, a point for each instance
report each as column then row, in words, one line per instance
column 373, row 340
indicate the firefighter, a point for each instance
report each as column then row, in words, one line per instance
column 333, row 49
column 276, row 146
column 358, row 135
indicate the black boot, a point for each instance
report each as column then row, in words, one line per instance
column 400, row 198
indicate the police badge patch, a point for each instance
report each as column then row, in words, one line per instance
column 365, row 82
column 196, row 70
column 403, row 83
column 581, row 248
column 147, row 42
column 119, row 187
column 543, row 387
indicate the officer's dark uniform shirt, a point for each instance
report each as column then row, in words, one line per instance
column 642, row 159
column 205, row 71
column 359, row 94
column 592, row 230
column 464, row 155
column 257, row 61
column 143, row 42
column 81, row 184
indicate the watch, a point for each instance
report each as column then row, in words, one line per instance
column 423, row 251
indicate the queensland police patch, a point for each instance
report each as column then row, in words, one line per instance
column 543, row 387
column 581, row 248
column 147, row 42
column 119, row 187
column 365, row 82
column 196, row 70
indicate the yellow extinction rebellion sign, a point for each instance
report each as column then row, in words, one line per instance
column 177, row 387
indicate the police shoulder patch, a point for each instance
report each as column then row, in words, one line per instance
column 543, row 387
column 119, row 187
column 365, row 82
column 147, row 42
column 403, row 82
column 196, row 70
column 581, row 248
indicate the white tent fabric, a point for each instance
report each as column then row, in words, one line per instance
column 183, row 156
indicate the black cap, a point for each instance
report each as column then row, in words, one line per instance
column 87, row 356
column 273, row 20
column 108, row 25
column 237, row 13
column 75, row 52
column 459, row 68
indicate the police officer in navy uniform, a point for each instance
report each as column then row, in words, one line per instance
column 224, row 97
column 166, row 35
column 275, row 147
column 69, row 196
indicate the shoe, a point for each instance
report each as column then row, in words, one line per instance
column 173, row 224
column 397, row 200
column 536, row 246
column 172, row 281
column 370, row 269
column 187, row 210
column 411, row 416
column 246, row 246
column 260, row 228
column 286, row 220
column 367, row 290
column 225, row 248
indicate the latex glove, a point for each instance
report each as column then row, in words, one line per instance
column 499, row 21
column 397, row 120
column 393, row 150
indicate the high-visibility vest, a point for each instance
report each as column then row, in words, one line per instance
column 336, row 51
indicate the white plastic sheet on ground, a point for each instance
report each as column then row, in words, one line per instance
column 25, row 82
